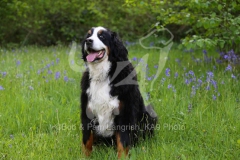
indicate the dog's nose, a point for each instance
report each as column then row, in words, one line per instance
column 89, row 41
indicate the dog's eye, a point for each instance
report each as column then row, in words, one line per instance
column 101, row 36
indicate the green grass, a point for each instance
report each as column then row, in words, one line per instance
column 40, row 115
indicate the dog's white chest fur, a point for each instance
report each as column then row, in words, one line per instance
column 100, row 101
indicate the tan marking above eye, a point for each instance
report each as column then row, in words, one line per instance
column 89, row 32
column 100, row 31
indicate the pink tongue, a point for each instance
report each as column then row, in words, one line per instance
column 92, row 56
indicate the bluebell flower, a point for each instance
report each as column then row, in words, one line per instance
column 214, row 97
column 204, row 51
column 155, row 66
column 176, row 75
column 134, row 58
column 65, row 78
column 169, row 86
column 49, row 72
column 57, row 75
column 48, row 65
column 233, row 76
column 18, row 62
column 149, row 78
column 57, row 60
column 210, row 75
column 127, row 43
column 1, row 88
column 214, row 83
column 39, row 71
column 208, row 87
column 167, row 72
column 229, row 68
column 187, row 81
column 225, row 56
column 199, row 81
column 4, row 74
column 191, row 73
column 72, row 62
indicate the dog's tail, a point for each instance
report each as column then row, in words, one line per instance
column 149, row 121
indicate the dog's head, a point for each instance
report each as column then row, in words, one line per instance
column 101, row 43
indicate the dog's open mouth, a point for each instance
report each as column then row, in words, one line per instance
column 95, row 55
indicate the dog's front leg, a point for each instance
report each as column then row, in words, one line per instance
column 87, row 139
column 123, row 143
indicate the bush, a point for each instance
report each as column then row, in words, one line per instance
column 50, row 22
column 205, row 24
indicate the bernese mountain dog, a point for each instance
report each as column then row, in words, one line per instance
column 112, row 108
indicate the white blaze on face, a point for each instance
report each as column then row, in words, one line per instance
column 97, row 43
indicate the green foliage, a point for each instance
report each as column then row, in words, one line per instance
column 209, row 23
column 56, row 21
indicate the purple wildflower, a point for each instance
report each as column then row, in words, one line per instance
column 187, row 81
column 176, row 75
column 214, row 83
column 57, row 60
column 149, row 78
column 214, row 97
column 204, row 51
column 134, row 59
column 18, row 62
column 57, row 75
column 199, row 81
column 167, row 72
column 191, row 73
column 39, row 71
column 72, row 62
column 209, row 75
column 65, row 78
column 48, row 65
column 4, row 74
column 49, row 72
column 169, row 86
column 208, row 87
column 233, row 76
column 1, row 88
column 155, row 66
column 225, row 57
column 229, row 68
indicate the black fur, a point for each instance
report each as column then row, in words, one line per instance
column 133, row 111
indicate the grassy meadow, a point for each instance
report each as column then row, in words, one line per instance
column 196, row 98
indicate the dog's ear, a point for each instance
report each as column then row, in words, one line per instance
column 84, row 53
column 117, row 50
